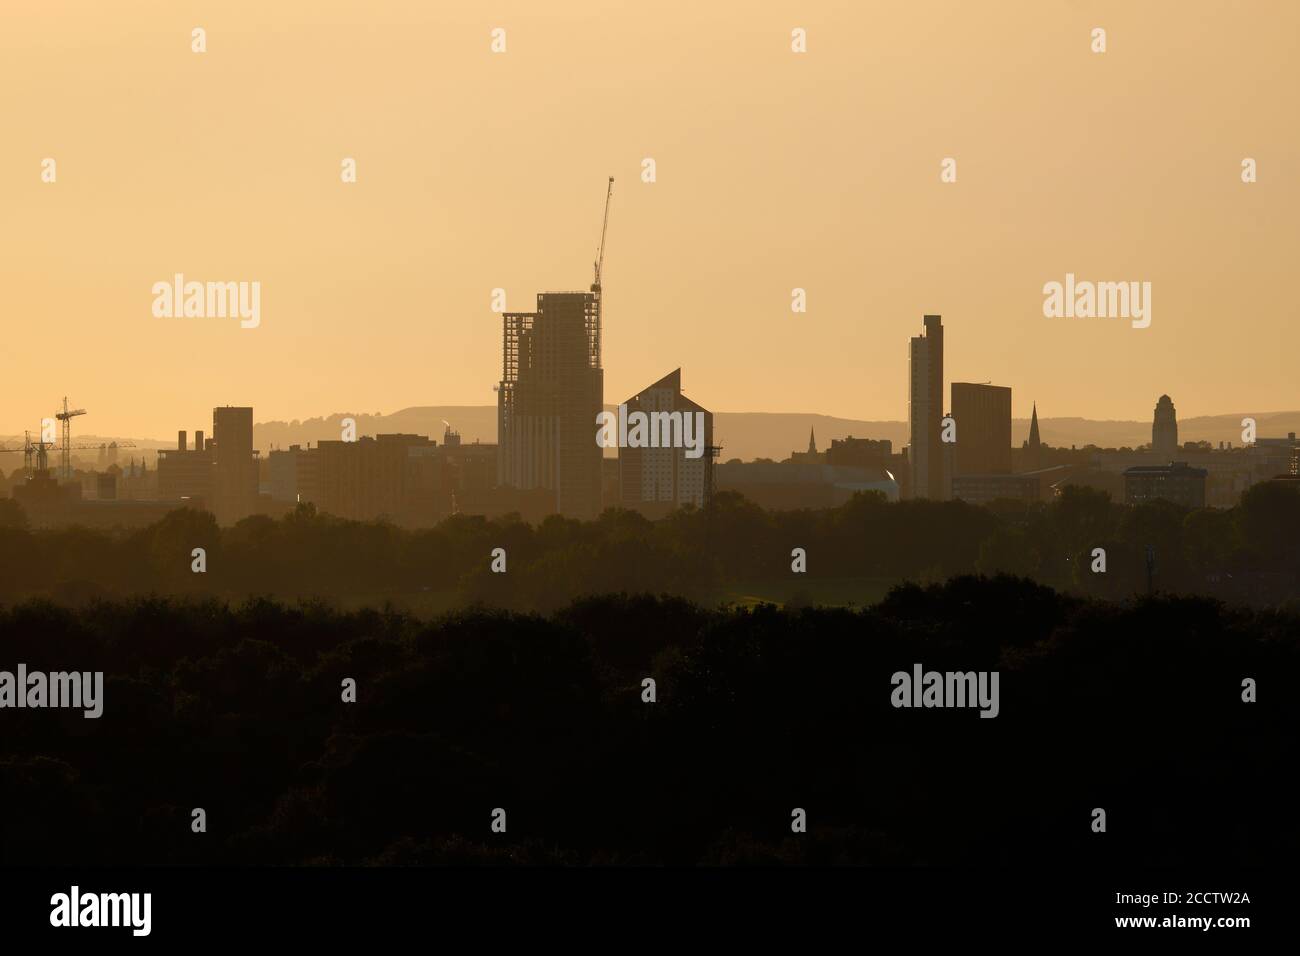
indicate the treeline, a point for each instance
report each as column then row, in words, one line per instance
column 1250, row 553
column 1136, row 709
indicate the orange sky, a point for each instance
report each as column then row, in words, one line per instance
column 775, row 170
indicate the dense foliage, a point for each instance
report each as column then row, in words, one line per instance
column 1133, row 707
column 1248, row 554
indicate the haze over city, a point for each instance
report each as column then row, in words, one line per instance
column 605, row 445
column 773, row 172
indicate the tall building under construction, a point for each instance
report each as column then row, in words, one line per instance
column 551, row 392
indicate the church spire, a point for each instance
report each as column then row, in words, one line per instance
column 1034, row 442
column 812, row 441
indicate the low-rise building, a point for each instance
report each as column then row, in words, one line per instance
column 1176, row 481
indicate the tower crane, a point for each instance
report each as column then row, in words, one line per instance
column 29, row 449
column 65, row 417
column 40, row 450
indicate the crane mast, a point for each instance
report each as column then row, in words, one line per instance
column 600, row 252
column 65, row 417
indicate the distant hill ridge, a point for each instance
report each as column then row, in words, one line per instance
column 748, row 435
column 744, row 435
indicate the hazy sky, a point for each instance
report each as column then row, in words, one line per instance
column 775, row 170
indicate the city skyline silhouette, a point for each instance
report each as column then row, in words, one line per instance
column 823, row 173
column 640, row 449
